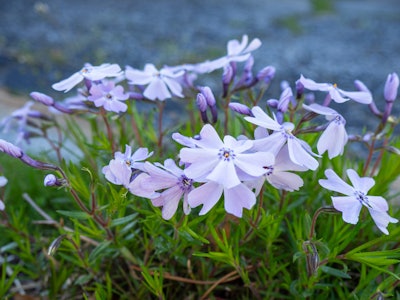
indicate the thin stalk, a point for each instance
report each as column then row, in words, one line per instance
column 161, row 106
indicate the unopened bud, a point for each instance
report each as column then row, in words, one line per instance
column 51, row 180
column 10, row 149
column 266, row 74
column 42, row 98
column 240, row 108
column 391, row 87
column 273, row 103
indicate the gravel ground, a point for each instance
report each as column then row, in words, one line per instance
column 42, row 42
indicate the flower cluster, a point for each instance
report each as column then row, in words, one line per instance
column 233, row 167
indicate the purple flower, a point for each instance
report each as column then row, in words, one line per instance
column 235, row 198
column 338, row 95
column 120, row 169
column 161, row 84
column 278, row 176
column 165, row 185
column 108, row 96
column 357, row 197
column 391, row 87
column 3, row 182
column 299, row 151
column 89, row 72
column 222, row 161
column 334, row 138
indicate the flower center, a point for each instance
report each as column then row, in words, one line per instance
column 85, row 71
column 270, row 170
column 339, row 120
column 226, row 154
column 185, row 183
column 109, row 96
column 360, row 196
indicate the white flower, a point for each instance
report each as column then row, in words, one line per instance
column 357, row 197
column 161, row 84
column 90, row 72
column 334, row 138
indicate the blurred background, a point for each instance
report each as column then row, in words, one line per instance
column 42, row 42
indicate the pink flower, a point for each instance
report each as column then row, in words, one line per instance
column 109, row 96
column 357, row 197
column 338, row 95
column 161, row 84
column 89, row 72
column 334, row 137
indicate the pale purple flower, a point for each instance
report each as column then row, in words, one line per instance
column 221, row 161
column 92, row 73
column 334, row 137
column 235, row 198
column 165, row 185
column 299, row 151
column 266, row 74
column 278, row 174
column 120, row 169
column 161, row 84
column 338, row 95
column 3, row 182
column 236, row 52
column 109, row 96
column 357, row 197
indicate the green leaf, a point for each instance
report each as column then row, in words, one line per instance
column 74, row 214
column 123, row 220
column 334, row 272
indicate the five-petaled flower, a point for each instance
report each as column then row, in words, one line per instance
column 121, row 169
column 357, row 197
column 92, row 73
column 109, row 96
column 334, row 137
column 338, row 95
column 164, row 185
column 222, row 165
column 161, row 84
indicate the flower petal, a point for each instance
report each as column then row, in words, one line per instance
column 237, row 198
column 157, row 89
column 350, row 208
column 207, row 195
column 224, row 173
column 382, row 220
column 169, row 199
column 285, row 181
column 363, row 184
column 67, row 84
column 300, row 156
column 335, row 183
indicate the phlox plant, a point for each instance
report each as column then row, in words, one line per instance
column 247, row 194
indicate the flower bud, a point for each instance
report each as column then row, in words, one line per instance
column 273, row 103
column 240, row 108
column 391, row 87
column 201, row 103
column 42, row 98
column 266, row 74
column 50, row 180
